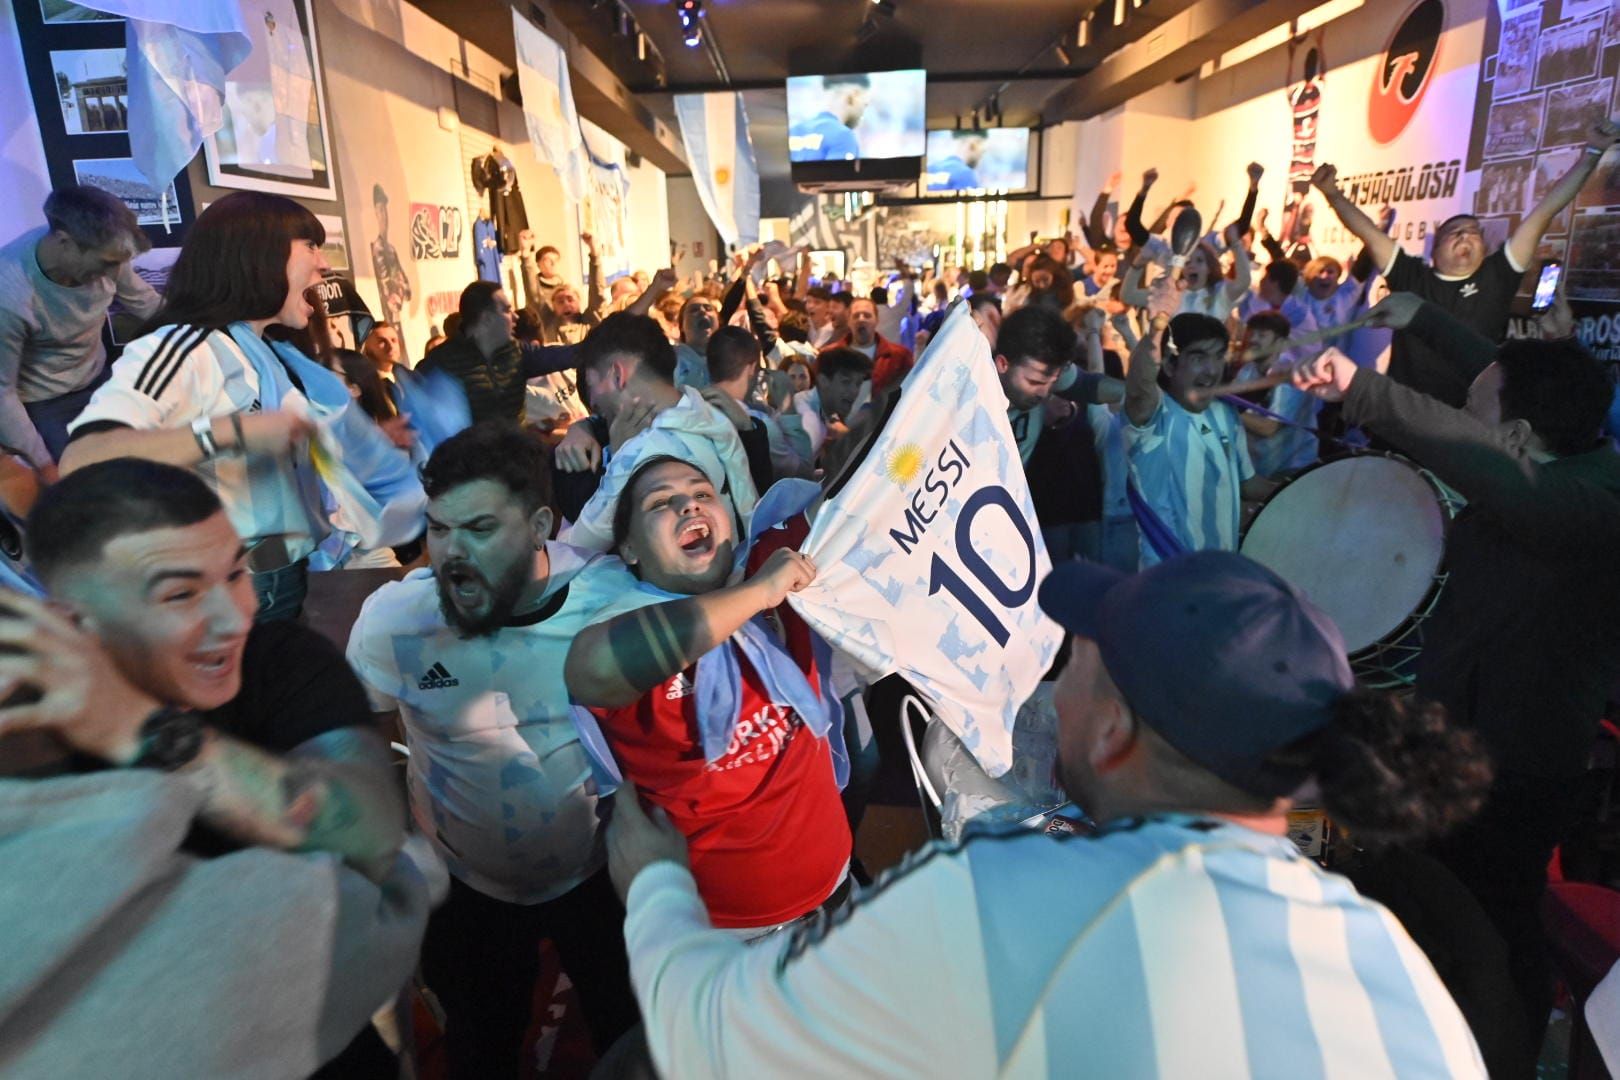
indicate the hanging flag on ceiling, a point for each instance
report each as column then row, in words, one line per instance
column 714, row 128
column 548, row 105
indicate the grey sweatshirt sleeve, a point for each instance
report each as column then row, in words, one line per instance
column 127, row 956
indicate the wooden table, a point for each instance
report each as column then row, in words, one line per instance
column 335, row 597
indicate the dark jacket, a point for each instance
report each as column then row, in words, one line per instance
column 494, row 387
column 1524, row 644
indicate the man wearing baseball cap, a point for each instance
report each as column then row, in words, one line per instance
column 1188, row 937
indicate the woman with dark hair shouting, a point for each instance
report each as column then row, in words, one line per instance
column 204, row 388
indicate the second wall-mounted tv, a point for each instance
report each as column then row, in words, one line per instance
column 994, row 159
column 872, row 116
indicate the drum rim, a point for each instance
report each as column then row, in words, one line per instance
column 1450, row 506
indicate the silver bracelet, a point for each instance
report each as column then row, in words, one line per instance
column 1594, row 150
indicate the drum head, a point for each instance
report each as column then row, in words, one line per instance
column 1362, row 536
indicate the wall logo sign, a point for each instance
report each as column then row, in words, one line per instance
column 1408, row 66
column 435, row 231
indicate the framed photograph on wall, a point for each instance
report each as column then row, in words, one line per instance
column 275, row 136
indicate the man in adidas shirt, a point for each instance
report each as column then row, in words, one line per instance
column 470, row 653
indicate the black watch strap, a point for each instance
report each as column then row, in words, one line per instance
column 170, row 739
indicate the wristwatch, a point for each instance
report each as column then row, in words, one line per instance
column 170, row 739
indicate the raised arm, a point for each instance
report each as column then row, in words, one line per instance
column 661, row 283
column 1142, row 393
column 614, row 662
column 1379, row 245
column 1095, row 234
column 597, row 288
column 1131, row 291
column 1242, row 266
column 1521, row 246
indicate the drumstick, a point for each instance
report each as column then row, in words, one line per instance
column 1280, row 375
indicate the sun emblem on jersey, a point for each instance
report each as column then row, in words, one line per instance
column 905, row 462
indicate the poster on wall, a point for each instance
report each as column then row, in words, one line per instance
column 93, row 88
column 1577, row 61
column 275, row 136
column 123, row 179
column 65, row 11
column 1386, row 122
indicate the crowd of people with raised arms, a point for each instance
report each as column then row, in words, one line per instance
column 611, row 731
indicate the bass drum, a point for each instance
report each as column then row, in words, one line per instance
column 1365, row 538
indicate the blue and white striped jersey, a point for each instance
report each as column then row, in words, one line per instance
column 1190, row 469
column 1174, row 946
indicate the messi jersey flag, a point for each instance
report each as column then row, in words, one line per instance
column 929, row 557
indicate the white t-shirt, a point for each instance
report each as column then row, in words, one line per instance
column 497, row 774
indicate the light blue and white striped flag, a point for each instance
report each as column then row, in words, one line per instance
column 177, row 53
column 548, row 105
column 929, row 557
column 714, row 128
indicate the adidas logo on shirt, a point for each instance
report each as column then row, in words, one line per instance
column 438, row 677
column 679, row 688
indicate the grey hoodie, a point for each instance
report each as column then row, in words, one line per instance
column 125, row 956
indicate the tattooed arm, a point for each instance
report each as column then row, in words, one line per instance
column 614, row 662
column 333, row 793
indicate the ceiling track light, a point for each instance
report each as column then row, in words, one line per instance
column 884, row 7
column 1064, row 56
column 690, row 13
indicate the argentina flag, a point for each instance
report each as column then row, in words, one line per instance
column 177, row 55
column 548, row 104
column 714, row 129
column 929, row 557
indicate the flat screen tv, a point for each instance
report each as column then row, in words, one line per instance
column 994, row 159
column 872, row 116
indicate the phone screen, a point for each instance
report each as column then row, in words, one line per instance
column 1547, row 285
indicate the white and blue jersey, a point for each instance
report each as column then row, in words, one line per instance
column 1189, row 468
column 497, row 775
column 823, row 137
column 1290, row 448
column 1175, row 946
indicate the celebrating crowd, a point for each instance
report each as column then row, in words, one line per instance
column 611, row 731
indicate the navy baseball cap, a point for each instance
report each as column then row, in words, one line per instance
column 1220, row 656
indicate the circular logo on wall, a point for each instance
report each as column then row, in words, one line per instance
column 1407, row 68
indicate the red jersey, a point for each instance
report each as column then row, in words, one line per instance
column 764, row 822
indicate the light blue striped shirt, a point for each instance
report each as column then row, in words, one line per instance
column 1171, row 947
column 1190, row 468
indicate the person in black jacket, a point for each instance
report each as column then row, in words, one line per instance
column 1524, row 645
column 490, row 364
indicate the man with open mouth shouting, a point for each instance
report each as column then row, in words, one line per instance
column 714, row 705
column 470, row 653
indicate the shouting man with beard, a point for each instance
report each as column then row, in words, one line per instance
column 470, row 653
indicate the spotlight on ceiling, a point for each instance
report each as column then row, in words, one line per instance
column 884, row 8
column 1064, row 56
column 690, row 11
